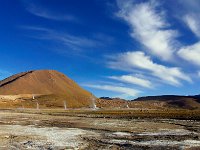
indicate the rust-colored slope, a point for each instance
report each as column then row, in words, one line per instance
column 46, row 82
column 39, row 82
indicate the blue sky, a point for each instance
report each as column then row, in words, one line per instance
column 116, row 48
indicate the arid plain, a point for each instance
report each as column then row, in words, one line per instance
column 95, row 129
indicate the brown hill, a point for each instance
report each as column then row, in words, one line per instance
column 170, row 101
column 107, row 102
column 51, row 88
column 152, row 102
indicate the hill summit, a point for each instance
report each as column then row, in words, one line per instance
column 49, row 86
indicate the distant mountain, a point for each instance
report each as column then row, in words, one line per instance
column 108, row 102
column 198, row 97
column 49, row 87
column 106, row 98
column 172, row 101
column 111, row 98
column 153, row 102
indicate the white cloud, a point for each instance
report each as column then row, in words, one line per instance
column 149, row 27
column 191, row 15
column 118, row 89
column 133, row 80
column 71, row 41
column 38, row 10
column 138, row 60
column 193, row 23
column 191, row 53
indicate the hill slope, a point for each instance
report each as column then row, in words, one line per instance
column 152, row 102
column 175, row 101
column 52, row 88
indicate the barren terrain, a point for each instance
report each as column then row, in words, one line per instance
column 92, row 129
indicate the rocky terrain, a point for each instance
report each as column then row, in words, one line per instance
column 55, row 131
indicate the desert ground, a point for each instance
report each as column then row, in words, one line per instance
column 99, row 129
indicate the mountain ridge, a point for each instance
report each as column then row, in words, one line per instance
column 176, row 101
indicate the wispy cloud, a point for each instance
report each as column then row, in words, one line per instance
column 193, row 22
column 191, row 6
column 43, row 12
column 117, row 89
column 138, row 60
column 149, row 27
column 191, row 53
column 191, row 15
column 71, row 41
column 4, row 74
column 198, row 73
column 133, row 80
